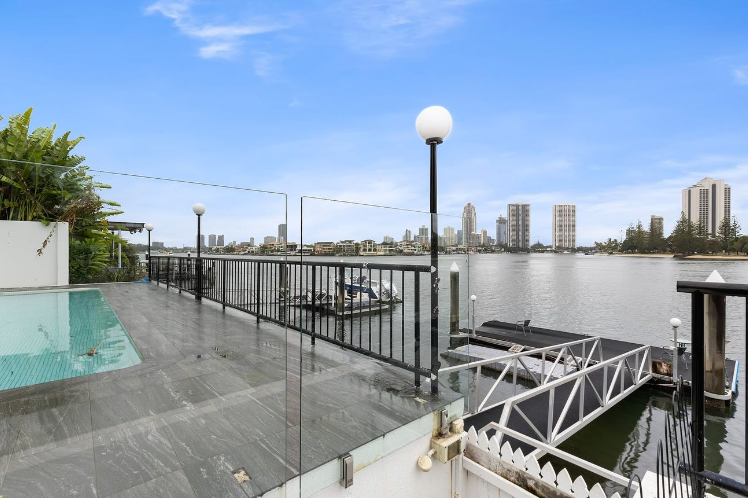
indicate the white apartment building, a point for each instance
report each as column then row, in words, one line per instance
column 450, row 237
column 707, row 202
column 564, row 226
column 518, row 225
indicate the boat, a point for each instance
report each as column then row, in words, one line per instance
column 373, row 289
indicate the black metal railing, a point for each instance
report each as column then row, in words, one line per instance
column 373, row 309
column 693, row 464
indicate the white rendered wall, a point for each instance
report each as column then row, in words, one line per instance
column 21, row 266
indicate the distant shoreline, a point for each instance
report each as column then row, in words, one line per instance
column 694, row 257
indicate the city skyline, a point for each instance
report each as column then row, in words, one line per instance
column 563, row 226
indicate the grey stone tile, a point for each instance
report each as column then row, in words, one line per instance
column 255, row 418
column 11, row 414
column 174, row 485
column 64, row 471
column 223, row 383
column 112, row 387
column 124, row 410
column 46, row 428
column 131, row 456
column 197, row 436
column 182, row 394
column 163, row 373
column 263, row 461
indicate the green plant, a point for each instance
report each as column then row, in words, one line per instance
column 42, row 180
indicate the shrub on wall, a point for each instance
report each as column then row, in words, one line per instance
column 42, row 180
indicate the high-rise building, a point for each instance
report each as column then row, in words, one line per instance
column 459, row 238
column 282, row 233
column 501, row 230
column 423, row 235
column 708, row 203
column 450, row 238
column 251, row 241
column 518, row 225
column 564, row 226
column 201, row 241
column 657, row 225
column 212, row 240
column 469, row 220
column 220, row 240
column 483, row 237
column 408, row 236
column 269, row 239
column 387, row 240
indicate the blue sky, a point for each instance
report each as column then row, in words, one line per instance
column 614, row 106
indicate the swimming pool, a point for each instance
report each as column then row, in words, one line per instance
column 52, row 335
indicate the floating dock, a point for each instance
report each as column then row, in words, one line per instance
column 503, row 334
column 568, row 409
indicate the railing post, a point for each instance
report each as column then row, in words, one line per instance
column 697, row 383
column 181, row 279
column 168, row 267
column 341, row 292
column 158, row 271
column 314, row 298
column 257, row 291
column 417, row 325
column 223, row 282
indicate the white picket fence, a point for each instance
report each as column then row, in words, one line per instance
column 485, row 482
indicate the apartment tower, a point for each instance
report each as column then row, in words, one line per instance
column 707, row 202
column 564, row 226
column 657, row 224
column 450, row 237
column 518, row 225
column 501, row 229
column 469, row 222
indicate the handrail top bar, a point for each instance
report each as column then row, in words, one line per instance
column 573, row 376
column 713, row 288
column 331, row 264
column 512, row 356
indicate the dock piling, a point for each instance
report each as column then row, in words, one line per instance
column 714, row 339
column 454, row 299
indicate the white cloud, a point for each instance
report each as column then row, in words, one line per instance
column 221, row 40
column 385, row 27
column 740, row 75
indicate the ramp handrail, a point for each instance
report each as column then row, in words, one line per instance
column 513, row 361
column 553, row 433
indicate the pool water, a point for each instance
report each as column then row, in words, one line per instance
column 46, row 335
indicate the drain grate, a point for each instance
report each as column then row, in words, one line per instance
column 230, row 354
column 240, row 475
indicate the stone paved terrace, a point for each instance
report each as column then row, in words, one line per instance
column 176, row 425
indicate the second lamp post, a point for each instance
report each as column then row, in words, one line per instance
column 433, row 125
column 199, row 210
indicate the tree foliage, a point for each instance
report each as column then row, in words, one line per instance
column 42, row 180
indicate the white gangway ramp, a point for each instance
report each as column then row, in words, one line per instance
column 543, row 417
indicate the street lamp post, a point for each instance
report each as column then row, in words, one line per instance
column 199, row 210
column 433, row 125
column 149, row 227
